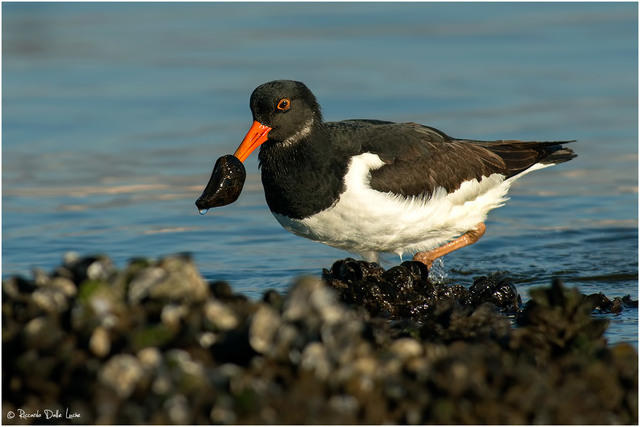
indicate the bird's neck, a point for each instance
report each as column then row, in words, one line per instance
column 306, row 146
column 304, row 177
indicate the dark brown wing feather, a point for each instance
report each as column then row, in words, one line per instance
column 422, row 158
column 521, row 155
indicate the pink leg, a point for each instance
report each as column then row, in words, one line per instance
column 466, row 239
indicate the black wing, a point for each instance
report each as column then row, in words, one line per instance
column 420, row 158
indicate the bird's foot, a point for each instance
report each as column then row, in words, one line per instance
column 427, row 258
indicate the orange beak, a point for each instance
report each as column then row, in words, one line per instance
column 253, row 139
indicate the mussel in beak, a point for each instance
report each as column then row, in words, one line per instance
column 225, row 184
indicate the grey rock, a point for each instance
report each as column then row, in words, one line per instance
column 188, row 373
column 42, row 333
column 40, row 277
column 162, row 385
column 50, row 300
column 141, row 285
column 66, row 286
column 173, row 278
column 100, row 342
column 309, row 299
column 264, row 326
column 220, row 315
column 178, row 409
column 207, row 339
column 405, row 348
column 100, row 269
column 315, row 359
column 223, row 411
column 71, row 258
column 344, row 404
column 172, row 314
column 150, row 358
column 121, row 374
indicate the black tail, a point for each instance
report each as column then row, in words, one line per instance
column 559, row 155
column 521, row 155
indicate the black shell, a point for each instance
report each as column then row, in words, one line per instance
column 225, row 184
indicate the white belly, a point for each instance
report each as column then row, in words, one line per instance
column 367, row 221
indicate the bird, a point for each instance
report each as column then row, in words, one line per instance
column 372, row 186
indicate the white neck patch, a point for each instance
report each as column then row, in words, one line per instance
column 304, row 131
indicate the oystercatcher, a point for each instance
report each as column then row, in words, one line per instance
column 372, row 186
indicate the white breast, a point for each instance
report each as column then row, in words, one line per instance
column 367, row 221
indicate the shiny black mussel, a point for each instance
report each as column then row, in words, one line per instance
column 225, row 184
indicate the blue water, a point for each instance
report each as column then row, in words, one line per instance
column 114, row 114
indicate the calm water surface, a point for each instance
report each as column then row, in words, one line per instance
column 113, row 115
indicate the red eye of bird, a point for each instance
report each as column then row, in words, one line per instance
column 284, row 104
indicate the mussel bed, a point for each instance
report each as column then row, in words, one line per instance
column 156, row 343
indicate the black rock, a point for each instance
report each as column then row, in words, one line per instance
column 496, row 289
column 350, row 270
column 628, row 302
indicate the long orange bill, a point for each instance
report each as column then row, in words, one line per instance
column 257, row 135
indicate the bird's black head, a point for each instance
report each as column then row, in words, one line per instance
column 285, row 106
column 283, row 111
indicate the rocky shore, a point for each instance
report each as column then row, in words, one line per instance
column 155, row 343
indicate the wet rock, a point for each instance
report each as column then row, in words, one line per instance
column 600, row 303
column 496, row 289
column 350, row 270
column 405, row 291
column 398, row 282
column 628, row 302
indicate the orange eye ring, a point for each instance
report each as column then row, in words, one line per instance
column 284, row 104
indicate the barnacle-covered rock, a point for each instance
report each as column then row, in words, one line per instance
column 173, row 278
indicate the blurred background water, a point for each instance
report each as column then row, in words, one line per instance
column 114, row 114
